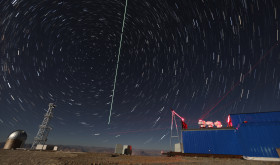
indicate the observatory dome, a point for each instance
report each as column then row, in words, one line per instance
column 16, row 140
column 18, row 135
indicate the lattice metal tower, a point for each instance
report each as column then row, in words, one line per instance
column 44, row 128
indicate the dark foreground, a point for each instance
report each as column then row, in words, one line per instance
column 21, row 157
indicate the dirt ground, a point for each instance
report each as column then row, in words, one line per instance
column 22, row 157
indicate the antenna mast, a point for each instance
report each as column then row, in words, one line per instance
column 44, row 128
column 173, row 122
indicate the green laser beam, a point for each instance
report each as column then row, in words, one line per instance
column 117, row 68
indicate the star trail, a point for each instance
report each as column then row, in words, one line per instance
column 201, row 58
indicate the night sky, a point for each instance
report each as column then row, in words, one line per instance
column 205, row 59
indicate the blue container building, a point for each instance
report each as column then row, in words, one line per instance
column 252, row 134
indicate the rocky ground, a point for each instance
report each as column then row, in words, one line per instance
column 25, row 157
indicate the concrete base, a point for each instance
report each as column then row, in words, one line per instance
column 13, row 144
column 278, row 151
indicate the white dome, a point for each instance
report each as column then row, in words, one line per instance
column 18, row 135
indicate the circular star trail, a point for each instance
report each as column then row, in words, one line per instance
column 184, row 55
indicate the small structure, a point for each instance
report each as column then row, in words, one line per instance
column 128, row 150
column 46, row 147
column 55, row 148
column 16, row 140
column 119, row 149
column 123, row 149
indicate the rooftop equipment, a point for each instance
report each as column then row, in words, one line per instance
column 210, row 124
